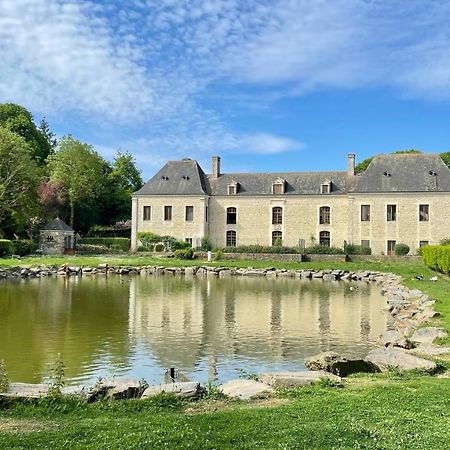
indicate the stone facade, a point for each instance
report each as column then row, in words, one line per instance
column 405, row 181
column 56, row 238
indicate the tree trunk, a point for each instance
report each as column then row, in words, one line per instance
column 72, row 213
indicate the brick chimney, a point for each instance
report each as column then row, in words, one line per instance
column 351, row 164
column 215, row 169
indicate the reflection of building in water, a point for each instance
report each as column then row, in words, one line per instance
column 184, row 320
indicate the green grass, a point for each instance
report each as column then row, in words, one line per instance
column 368, row 413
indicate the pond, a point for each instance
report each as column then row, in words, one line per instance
column 208, row 329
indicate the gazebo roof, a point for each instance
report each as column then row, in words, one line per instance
column 57, row 225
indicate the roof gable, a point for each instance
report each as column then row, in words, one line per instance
column 57, row 225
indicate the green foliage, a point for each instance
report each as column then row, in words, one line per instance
column 323, row 250
column 401, row 249
column 19, row 120
column 57, row 375
column 403, row 152
column 353, row 249
column 446, row 158
column 445, row 241
column 184, row 253
column 113, row 243
column 261, row 249
column 437, row 257
column 6, row 247
column 108, row 231
column 24, row 247
column 326, row 382
column 148, row 238
column 91, row 249
column 206, row 244
column 218, row 255
column 4, row 380
column 363, row 165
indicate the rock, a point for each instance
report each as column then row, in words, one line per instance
column 103, row 266
column 430, row 350
column 26, row 391
column 244, row 389
column 339, row 365
column 387, row 358
column 428, row 335
column 100, row 390
column 294, row 379
column 394, row 338
column 190, row 389
column 125, row 389
column 189, row 271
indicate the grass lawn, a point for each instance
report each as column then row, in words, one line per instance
column 370, row 412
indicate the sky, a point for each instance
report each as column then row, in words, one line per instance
column 279, row 85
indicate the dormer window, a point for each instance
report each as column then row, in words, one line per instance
column 325, row 187
column 278, row 186
column 232, row 188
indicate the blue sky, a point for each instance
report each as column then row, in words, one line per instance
column 278, row 85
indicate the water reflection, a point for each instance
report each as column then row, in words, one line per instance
column 207, row 328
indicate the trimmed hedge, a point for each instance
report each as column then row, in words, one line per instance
column 117, row 243
column 6, row 247
column 353, row 249
column 437, row 257
column 401, row 249
column 23, row 247
column 261, row 249
column 185, row 253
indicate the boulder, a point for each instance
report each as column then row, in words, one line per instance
column 244, row 389
column 125, row 389
column 339, row 365
column 430, row 350
column 190, row 389
column 393, row 338
column 388, row 358
column 428, row 335
column 295, row 379
column 26, row 391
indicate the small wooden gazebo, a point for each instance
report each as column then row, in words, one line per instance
column 56, row 238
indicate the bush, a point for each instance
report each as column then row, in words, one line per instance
column 185, row 253
column 24, row 247
column 109, row 231
column 323, row 250
column 218, row 254
column 401, row 249
column 445, row 241
column 6, row 247
column 116, row 244
column 437, row 257
column 92, row 249
column 206, row 244
column 152, row 240
column 353, row 249
column 261, row 249
column 148, row 239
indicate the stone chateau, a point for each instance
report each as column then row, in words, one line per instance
column 400, row 198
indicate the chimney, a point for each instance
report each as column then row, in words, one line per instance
column 215, row 171
column 351, row 164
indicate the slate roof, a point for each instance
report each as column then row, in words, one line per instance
column 296, row 183
column 57, row 225
column 408, row 172
column 183, row 177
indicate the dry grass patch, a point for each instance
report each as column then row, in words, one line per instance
column 25, row 426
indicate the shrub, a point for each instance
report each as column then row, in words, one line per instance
column 445, row 241
column 261, row 249
column 353, row 249
column 401, row 249
column 118, row 243
column 24, row 247
column 153, row 240
column 148, row 239
column 323, row 250
column 92, row 249
column 184, row 253
column 206, row 244
column 109, row 231
column 6, row 247
column 437, row 257
column 218, row 254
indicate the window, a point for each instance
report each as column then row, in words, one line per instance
column 147, row 213
column 423, row 243
column 188, row 240
column 231, row 216
column 390, row 247
column 278, row 188
column 277, row 215
column 391, row 213
column 277, row 238
column 231, row 189
column 50, row 238
column 325, row 188
column 206, row 214
column 231, row 238
column 167, row 213
column 424, row 213
column 324, row 238
column 189, row 216
column 365, row 213
column 365, row 243
column 324, row 215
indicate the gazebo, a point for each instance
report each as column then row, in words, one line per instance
column 56, row 238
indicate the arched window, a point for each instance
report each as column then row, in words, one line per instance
column 231, row 216
column 231, row 238
column 277, row 215
column 324, row 238
column 324, row 215
column 277, row 238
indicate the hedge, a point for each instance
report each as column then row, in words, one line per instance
column 437, row 257
column 117, row 243
column 24, row 247
column 6, row 247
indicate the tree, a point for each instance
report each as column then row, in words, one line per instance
column 17, row 119
column 80, row 169
column 51, row 196
column 18, row 178
column 446, row 158
column 49, row 136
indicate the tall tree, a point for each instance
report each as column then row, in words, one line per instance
column 80, row 169
column 18, row 178
column 20, row 121
column 49, row 136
